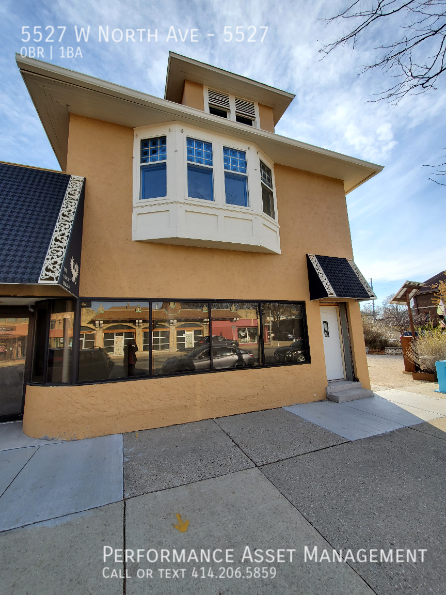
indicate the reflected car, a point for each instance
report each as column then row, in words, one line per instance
column 94, row 364
column 199, row 359
column 294, row 353
column 217, row 340
column 283, row 336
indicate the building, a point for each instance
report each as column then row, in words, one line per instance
column 424, row 300
column 187, row 263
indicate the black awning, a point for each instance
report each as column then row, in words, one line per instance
column 332, row 277
column 41, row 214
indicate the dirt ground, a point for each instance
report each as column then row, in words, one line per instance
column 386, row 371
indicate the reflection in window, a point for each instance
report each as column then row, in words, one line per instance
column 236, row 326
column 60, row 342
column 112, row 340
column 284, row 333
column 182, row 348
column 199, row 169
column 153, row 176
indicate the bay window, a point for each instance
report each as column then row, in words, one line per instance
column 200, row 188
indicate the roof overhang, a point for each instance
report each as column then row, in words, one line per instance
column 331, row 278
column 180, row 68
column 406, row 292
column 56, row 92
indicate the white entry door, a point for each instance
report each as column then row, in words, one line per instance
column 334, row 361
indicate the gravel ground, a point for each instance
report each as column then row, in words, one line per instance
column 386, row 371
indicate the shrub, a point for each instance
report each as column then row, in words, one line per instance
column 429, row 347
column 376, row 335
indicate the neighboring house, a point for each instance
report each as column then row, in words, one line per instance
column 424, row 300
column 176, row 223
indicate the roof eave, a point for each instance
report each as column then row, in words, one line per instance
column 127, row 111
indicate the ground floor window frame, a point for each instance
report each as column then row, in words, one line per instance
column 150, row 343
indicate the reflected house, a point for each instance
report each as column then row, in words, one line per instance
column 13, row 338
column 186, row 263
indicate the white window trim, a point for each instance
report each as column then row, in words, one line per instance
column 169, row 216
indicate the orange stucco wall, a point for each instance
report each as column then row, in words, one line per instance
column 266, row 118
column 313, row 219
column 193, row 95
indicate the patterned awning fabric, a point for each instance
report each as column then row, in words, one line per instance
column 332, row 277
column 41, row 226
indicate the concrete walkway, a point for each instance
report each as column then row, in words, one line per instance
column 269, row 480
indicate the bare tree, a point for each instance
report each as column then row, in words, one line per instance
column 417, row 57
column 441, row 171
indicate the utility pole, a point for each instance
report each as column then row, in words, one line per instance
column 373, row 301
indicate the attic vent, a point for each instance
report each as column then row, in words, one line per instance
column 218, row 99
column 245, row 108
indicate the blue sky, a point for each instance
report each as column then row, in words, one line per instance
column 396, row 219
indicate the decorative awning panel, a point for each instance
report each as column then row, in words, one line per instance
column 41, row 232
column 332, row 277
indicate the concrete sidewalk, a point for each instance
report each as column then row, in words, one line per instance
column 269, row 480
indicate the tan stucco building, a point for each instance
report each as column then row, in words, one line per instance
column 199, row 225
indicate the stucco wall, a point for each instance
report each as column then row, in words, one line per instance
column 193, row 95
column 313, row 218
column 95, row 410
column 266, row 118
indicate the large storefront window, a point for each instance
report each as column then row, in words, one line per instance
column 285, row 337
column 182, row 347
column 235, row 334
column 113, row 341
column 140, row 339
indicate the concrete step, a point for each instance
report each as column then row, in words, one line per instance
column 338, row 385
column 349, row 394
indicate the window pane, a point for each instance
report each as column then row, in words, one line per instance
column 13, row 341
column 153, row 181
column 284, row 333
column 182, row 346
column 199, row 180
column 265, row 174
column 113, row 340
column 199, row 152
column 235, row 325
column 243, row 120
column 236, row 190
column 268, row 201
column 60, row 342
column 153, row 150
column 234, row 160
column 218, row 112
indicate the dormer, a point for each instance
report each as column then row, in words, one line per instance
column 224, row 94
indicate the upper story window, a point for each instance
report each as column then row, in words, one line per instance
column 153, row 168
column 233, row 108
column 267, row 190
column 199, row 169
column 203, row 189
column 236, row 181
column 218, row 103
column 244, row 111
